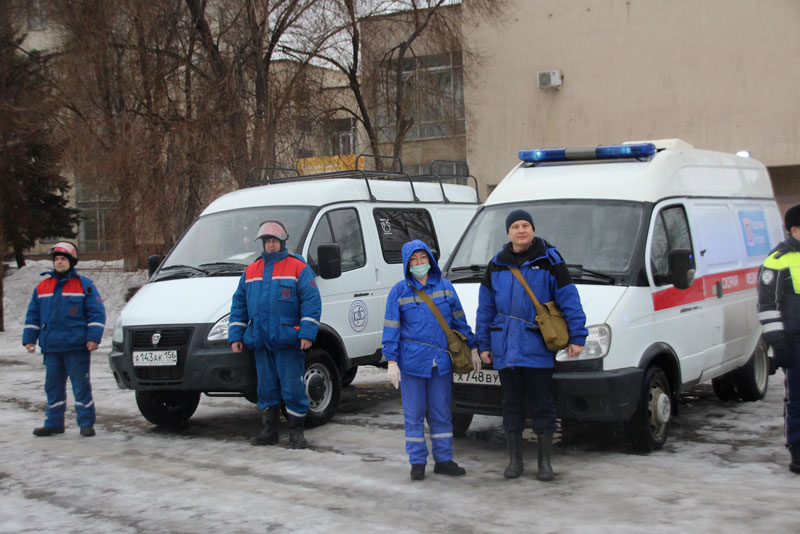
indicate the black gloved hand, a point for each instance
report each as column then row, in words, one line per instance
column 782, row 354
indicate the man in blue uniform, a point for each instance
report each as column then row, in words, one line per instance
column 275, row 312
column 67, row 316
column 779, row 313
column 509, row 338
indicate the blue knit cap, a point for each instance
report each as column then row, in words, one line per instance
column 518, row 215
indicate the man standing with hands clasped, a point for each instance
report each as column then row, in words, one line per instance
column 67, row 316
column 779, row 313
column 509, row 338
column 275, row 312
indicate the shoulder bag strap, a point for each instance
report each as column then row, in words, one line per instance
column 528, row 289
column 427, row 300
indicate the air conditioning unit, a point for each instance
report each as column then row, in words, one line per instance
column 548, row 79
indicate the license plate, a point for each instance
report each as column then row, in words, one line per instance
column 146, row 358
column 485, row 377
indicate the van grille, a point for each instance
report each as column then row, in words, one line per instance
column 171, row 338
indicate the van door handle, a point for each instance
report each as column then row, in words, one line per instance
column 718, row 285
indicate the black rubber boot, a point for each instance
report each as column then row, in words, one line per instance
column 545, row 450
column 514, row 468
column 87, row 431
column 417, row 471
column 268, row 436
column 449, row 468
column 48, row 430
column 296, row 438
column 794, row 467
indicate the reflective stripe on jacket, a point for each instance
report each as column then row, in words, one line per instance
column 412, row 336
column 506, row 316
column 779, row 291
column 64, row 314
column 276, row 304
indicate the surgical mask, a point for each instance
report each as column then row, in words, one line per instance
column 420, row 270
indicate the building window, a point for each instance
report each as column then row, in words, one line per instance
column 342, row 135
column 97, row 230
column 37, row 15
column 434, row 97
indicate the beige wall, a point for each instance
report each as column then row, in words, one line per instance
column 720, row 74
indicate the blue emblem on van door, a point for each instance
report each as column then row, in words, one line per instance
column 359, row 315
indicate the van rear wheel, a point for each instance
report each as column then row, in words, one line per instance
column 167, row 408
column 725, row 387
column 649, row 426
column 323, row 387
column 752, row 378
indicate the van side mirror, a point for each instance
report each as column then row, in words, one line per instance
column 681, row 268
column 330, row 261
column 152, row 264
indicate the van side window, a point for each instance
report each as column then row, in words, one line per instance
column 342, row 227
column 397, row 226
column 671, row 232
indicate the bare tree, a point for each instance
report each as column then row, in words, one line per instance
column 382, row 48
column 171, row 103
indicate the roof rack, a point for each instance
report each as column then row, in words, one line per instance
column 270, row 175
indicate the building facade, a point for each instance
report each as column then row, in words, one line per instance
column 719, row 74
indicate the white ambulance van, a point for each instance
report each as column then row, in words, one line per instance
column 664, row 243
column 170, row 340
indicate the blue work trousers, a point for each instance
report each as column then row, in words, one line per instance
column 521, row 384
column 427, row 397
column 281, row 377
column 59, row 366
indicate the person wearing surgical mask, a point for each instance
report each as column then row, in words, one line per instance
column 416, row 349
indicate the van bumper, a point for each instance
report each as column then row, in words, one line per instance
column 588, row 396
column 202, row 366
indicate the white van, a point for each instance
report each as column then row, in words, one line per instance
column 664, row 243
column 170, row 341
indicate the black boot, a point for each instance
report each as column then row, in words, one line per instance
column 268, row 436
column 449, row 468
column 794, row 467
column 514, row 468
column 545, row 449
column 296, row 438
column 48, row 430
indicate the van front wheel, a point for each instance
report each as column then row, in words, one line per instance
column 323, row 387
column 649, row 426
column 753, row 377
column 167, row 408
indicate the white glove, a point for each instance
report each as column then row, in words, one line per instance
column 393, row 374
column 476, row 359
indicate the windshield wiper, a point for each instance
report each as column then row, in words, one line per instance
column 474, row 267
column 185, row 267
column 602, row 276
column 232, row 264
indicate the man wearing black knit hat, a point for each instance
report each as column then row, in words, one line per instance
column 779, row 313
column 509, row 338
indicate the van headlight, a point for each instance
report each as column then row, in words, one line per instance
column 597, row 344
column 219, row 332
column 118, row 336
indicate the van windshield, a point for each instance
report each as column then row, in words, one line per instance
column 225, row 243
column 596, row 238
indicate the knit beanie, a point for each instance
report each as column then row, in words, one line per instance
column 792, row 217
column 522, row 215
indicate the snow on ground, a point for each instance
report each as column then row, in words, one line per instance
column 723, row 469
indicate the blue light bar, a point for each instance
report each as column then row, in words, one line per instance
column 642, row 150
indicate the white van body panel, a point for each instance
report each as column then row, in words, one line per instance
column 184, row 301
